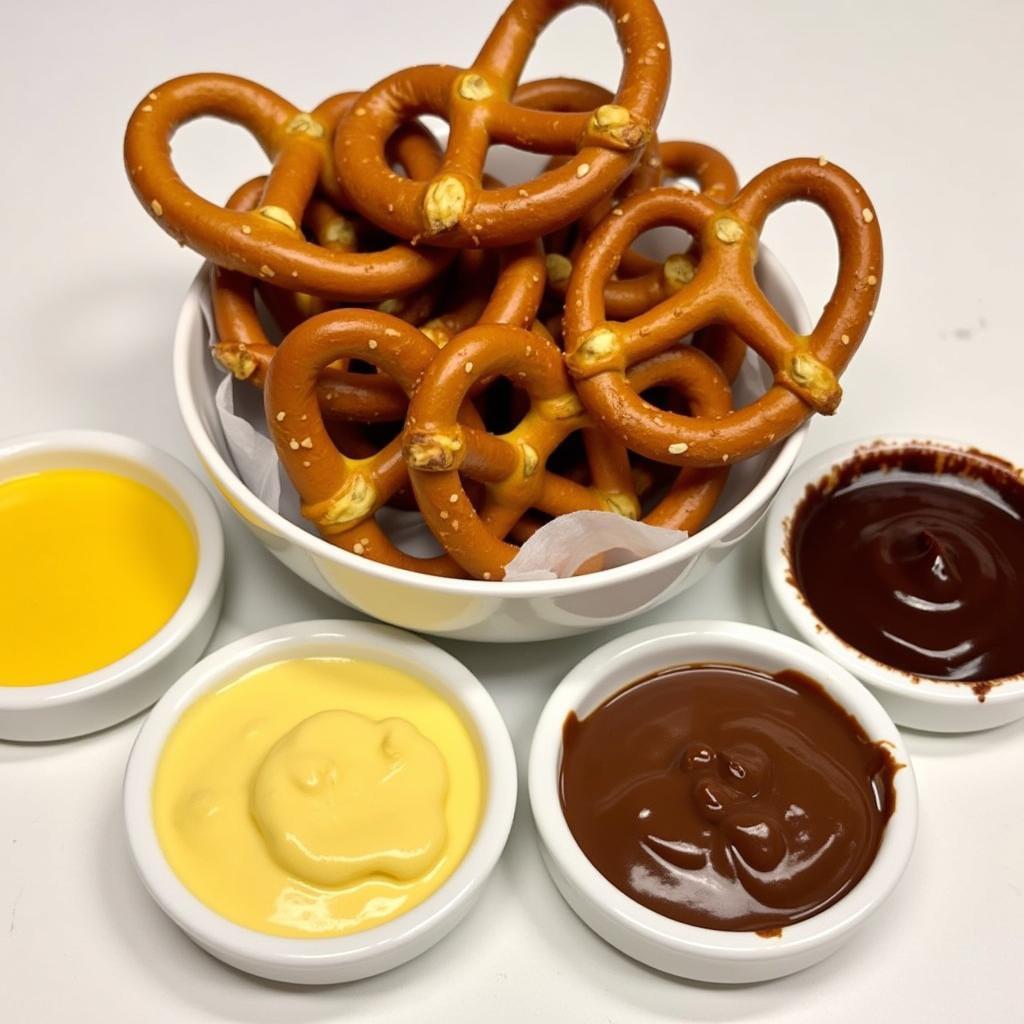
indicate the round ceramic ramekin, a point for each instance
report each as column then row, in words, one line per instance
column 82, row 705
column 473, row 609
column 704, row 954
column 913, row 701
column 348, row 958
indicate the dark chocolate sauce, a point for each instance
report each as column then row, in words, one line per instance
column 915, row 557
column 726, row 798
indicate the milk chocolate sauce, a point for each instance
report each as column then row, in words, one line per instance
column 915, row 557
column 726, row 798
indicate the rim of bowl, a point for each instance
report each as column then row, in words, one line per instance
column 339, row 638
column 803, row 620
column 759, row 495
column 747, row 642
column 201, row 515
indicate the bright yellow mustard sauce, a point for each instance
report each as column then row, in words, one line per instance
column 317, row 797
column 93, row 565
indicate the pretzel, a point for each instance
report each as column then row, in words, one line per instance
column 266, row 243
column 342, row 495
column 694, row 493
column 453, row 209
column 649, row 280
column 576, row 95
column 436, row 447
column 472, row 279
column 723, row 290
column 243, row 349
column 437, row 451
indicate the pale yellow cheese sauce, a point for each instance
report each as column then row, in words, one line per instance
column 318, row 797
column 93, row 565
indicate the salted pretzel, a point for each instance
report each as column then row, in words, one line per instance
column 242, row 347
column 696, row 377
column 437, row 448
column 723, row 290
column 642, row 282
column 576, row 95
column 355, row 489
column 267, row 242
column 244, row 350
column 454, row 209
column 342, row 495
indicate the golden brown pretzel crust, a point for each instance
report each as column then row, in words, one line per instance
column 437, row 449
column 645, row 281
column 244, row 350
column 723, row 290
column 452, row 396
column 342, row 495
column 267, row 242
column 454, row 209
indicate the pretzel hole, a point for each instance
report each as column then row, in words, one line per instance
column 651, row 480
column 577, row 30
column 503, row 405
column 213, row 156
column 273, row 330
column 361, row 366
column 361, row 440
column 407, row 531
column 683, row 182
column 663, row 396
column 660, row 243
column 434, row 124
column 512, row 166
column 569, row 459
column 790, row 233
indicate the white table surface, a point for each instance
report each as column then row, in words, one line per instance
column 922, row 101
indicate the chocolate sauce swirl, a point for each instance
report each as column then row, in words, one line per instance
column 726, row 798
column 916, row 558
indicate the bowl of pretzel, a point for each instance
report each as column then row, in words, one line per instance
column 498, row 411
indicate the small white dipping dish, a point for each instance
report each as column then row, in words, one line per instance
column 913, row 701
column 705, row 954
column 363, row 954
column 74, row 707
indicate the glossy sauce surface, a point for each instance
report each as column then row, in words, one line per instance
column 916, row 558
column 93, row 565
column 317, row 797
column 726, row 798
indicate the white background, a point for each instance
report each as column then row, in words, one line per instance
column 922, row 101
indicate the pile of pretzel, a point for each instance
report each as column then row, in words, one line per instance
column 497, row 355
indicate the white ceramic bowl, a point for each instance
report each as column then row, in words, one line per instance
column 119, row 690
column 705, row 954
column 348, row 958
column 912, row 701
column 472, row 609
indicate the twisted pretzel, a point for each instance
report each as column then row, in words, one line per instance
column 267, row 242
column 453, row 208
column 437, row 448
column 341, row 494
column 645, row 281
column 696, row 377
column 242, row 346
column 723, row 290
column 577, row 95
